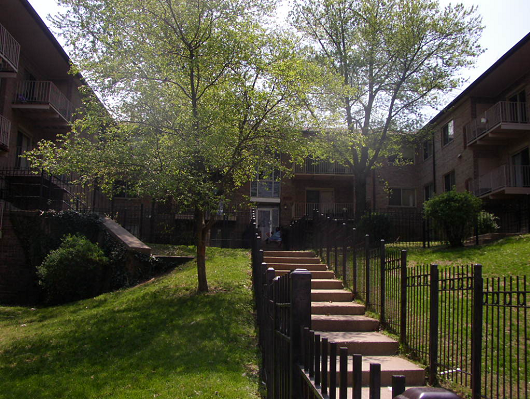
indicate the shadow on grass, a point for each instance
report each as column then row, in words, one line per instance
column 118, row 343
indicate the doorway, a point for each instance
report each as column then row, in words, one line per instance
column 521, row 169
column 268, row 220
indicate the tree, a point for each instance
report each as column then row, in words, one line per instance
column 197, row 92
column 455, row 213
column 386, row 60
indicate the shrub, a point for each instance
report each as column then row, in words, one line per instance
column 73, row 271
column 377, row 225
column 455, row 213
column 487, row 223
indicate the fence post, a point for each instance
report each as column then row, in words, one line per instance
column 476, row 349
column 433, row 327
column 344, row 254
column 367, row 269
column 336, row 246
column 354, row 263
column 382, row 283
column 268, row 355
column 328, row 241
column 300, row 319
column 403, row 310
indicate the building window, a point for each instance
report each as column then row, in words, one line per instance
column 427, row 149
column 449, row 181
column 23, row 145
column 402, row 197
column 266, row 185
column 405, row 156
column 448, row 133
column 428, row 191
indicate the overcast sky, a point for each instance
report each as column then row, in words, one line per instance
column 506, row 22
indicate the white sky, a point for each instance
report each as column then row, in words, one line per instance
column 506, row 22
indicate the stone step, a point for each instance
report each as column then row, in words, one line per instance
column 294, row 254
column 326, row 284
column 283, row 259
column 343, row 323
column 318, row 274
column 337, row 308
column 293, row 266
column 368, row 343
column 390, row 365
column 322, row 295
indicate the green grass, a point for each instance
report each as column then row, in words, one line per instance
column 157, row 340
column 509, row 256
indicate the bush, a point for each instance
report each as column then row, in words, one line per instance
column 377, row 225
column 487, row 223
column 73, row 271
column 455, row 213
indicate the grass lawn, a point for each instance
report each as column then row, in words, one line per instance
column 509, row 256
column 158, row 340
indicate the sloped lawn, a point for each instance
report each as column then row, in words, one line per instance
column 158, row 340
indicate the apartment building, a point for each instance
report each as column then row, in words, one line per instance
column 479, row 142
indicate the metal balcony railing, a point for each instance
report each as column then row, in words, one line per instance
column 502, row 177
column 43, row 92
column 502, row 112
column 9, row 49
column 320, row 167
column 301, row 209
column 5, row 128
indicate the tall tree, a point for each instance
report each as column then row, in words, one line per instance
column 197, row 92
column 387, row 60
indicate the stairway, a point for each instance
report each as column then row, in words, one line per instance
column 336, row 317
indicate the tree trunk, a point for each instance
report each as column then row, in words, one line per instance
column 360, row 194
column 201, row 231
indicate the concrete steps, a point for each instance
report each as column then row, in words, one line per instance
column 335, row 316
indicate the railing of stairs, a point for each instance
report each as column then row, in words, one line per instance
column 296, row 362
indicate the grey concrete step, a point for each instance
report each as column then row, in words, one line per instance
column 318, row 274
column 284, row 259
column 344, row 308
column 293, row 266
column 284, row 254
column 343, row 323
column 327, row 284
column 390, row 365
column 368, row 343
column 334, row 295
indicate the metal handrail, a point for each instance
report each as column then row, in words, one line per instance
column 43, row 92
column 9, row 48
column 502, row 112
column 504, row 176
column 317, row 167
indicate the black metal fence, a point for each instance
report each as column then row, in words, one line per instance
column 296, row 362
column 469, row 330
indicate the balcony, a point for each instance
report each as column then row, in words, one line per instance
column 342, row 210
column 504, row 121
column 9, row 54
column 42, row 101
column 503, row 181
column 5, row 128
column 321, row 167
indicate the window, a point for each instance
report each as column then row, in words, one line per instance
column 23, row 145
column 448, row 133
column 266, row 185
column 404, row 157
column 402, row 197
column 427, row 149
column 428, row 191
column 449, row 181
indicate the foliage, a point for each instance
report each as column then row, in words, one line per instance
column 487, row 223
column 377, row 225
column 159, row 339
column 455, row 213
column 73, row 271
column 382, row 63
column 199, row 95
